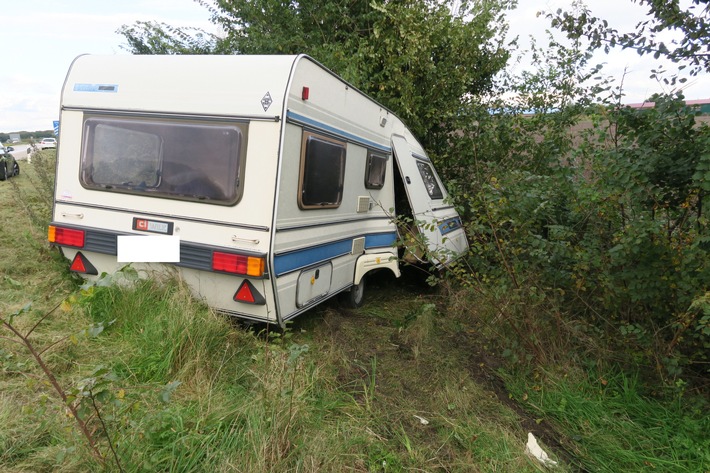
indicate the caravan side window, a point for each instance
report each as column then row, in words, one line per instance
column 169, row 158
column 375, row 171
column 430, row 182
column 322, row 172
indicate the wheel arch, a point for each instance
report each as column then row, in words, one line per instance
column 375, row 261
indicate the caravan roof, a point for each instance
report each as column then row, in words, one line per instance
column 208, row 85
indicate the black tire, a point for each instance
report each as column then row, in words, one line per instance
column 16, row 169
column 355, row 296
column 3, row 172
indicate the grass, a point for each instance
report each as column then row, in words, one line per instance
column 410, row 382
column 612, row 426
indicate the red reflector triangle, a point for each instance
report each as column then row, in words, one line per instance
column 244, row 294
column 81, row 265
column 248, row 294
column 78, row 264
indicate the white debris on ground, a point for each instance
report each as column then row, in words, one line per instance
column 421, row 420
column 532, row 448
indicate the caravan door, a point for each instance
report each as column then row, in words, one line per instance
column 437, row 225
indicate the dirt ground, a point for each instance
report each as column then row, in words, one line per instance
column 412, row 361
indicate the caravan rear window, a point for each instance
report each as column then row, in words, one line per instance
column 170, row 158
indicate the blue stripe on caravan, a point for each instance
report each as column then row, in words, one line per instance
column 294, row 260
column 450, row 225
column 379, row 240
column 288, row 262
column 330, row 129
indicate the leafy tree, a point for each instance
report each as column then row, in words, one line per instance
column 692, row 23
column 146, row 37
column 600, row 211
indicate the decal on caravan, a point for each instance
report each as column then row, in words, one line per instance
column 266, row 182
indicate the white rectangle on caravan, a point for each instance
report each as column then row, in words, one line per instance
column 148, row 249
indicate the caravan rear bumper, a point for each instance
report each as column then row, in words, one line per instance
column 192, row 255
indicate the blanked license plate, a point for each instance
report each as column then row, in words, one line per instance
column 148, row 249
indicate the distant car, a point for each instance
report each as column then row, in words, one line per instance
column 46, row 143
column 8, row 166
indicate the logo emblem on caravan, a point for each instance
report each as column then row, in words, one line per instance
column 266, row 101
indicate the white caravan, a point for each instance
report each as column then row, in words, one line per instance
column 267, row 183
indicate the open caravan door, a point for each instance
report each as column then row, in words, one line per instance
column 436, row 222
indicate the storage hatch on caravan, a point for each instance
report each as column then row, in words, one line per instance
column 436, row 221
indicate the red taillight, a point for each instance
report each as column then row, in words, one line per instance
column 238, row 264
column 66, row 236
column 229, row 263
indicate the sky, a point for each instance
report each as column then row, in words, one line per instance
column 40, row 38
column 625, row 67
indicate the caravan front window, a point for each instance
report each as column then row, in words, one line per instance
column 171, row 158
column 430, row 182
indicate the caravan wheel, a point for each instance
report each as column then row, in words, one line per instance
column 354, row 297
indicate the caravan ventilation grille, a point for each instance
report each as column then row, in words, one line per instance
column 363, row 204
column 358, row 246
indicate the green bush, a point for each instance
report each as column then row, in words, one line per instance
column 609, row 221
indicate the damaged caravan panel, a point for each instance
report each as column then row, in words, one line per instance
column 267, row 187
column 436, row 223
